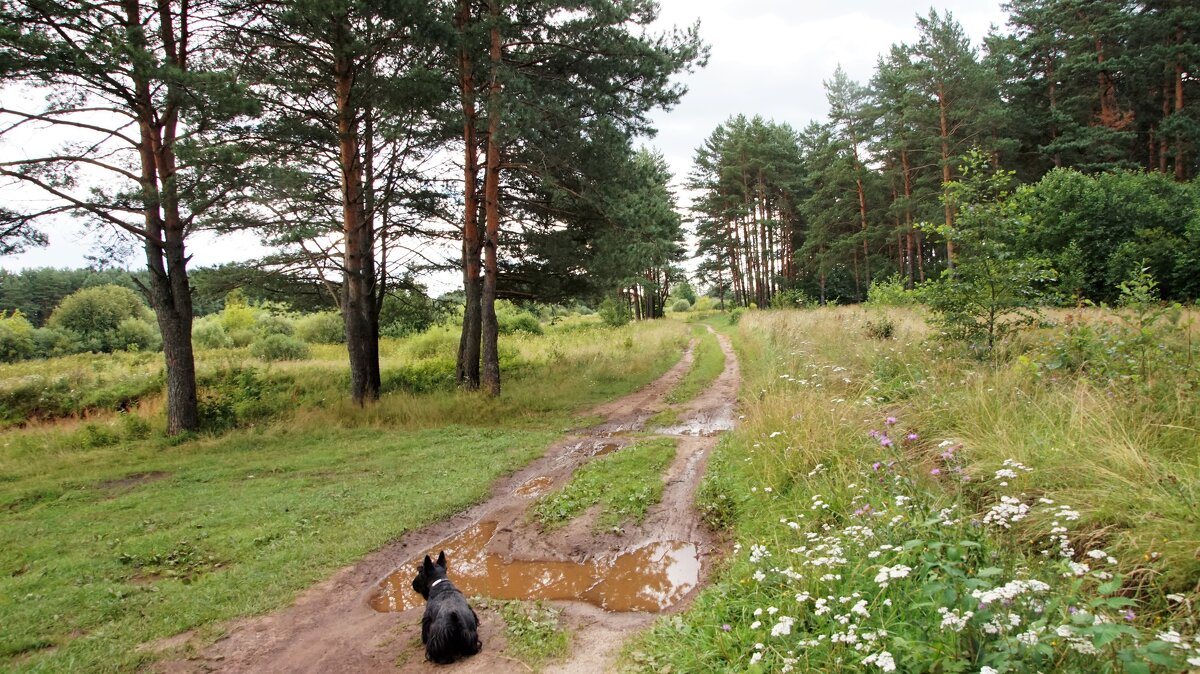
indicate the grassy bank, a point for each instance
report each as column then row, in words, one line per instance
column 899, row 506
column 624, row 484
column 111, row 536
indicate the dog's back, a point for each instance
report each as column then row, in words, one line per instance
column 450, row 626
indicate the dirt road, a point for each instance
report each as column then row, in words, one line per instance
column 363, row 619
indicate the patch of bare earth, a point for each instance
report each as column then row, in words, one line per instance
column 333, row 626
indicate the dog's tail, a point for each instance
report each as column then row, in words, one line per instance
column 468, row 632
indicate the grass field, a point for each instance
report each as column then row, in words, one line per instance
column 901, row 505
column 112, row 536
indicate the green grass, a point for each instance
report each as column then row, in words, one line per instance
column 625, row 484
column 534, row 634
column 708, row 363
column 797, row 474
column 112, row 536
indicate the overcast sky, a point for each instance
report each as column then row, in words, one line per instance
column 769, row 57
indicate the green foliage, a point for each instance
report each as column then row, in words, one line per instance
column 990, row 292
column 510, row 319
column 684, row 290
column 793, row 298
column 268, row 323
column 52, row 342
column 735, row 315
column 94, row 315
column 681, row 306
column 279, row 347
column 16, row 338
column 408, row 312
column 1099, row 227
column 235, row 397
column 209, row 333
column 326, row 327
column 237, row 317
column 614, row 313
column 890, row 292
column 36, row 292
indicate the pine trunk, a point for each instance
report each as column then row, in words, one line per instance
column 169, row 292
column 945, row 134
column 467, row 367
column 359, row 308
column 489, row 328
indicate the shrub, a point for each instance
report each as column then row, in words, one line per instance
column 236, row 397
column 135, row 334
column 237, row 314
column 434, row 343
column 883, row 328
column 615, row 313
column 326, row 327
column 208, row 333
column 52, row 342
column 789, row 299
column 95, row 315
column 681, row 305
column 267, row 323
column 890, row 292
column 511, row 318
column 279, row 347
column 16, row 338
column 735, row 315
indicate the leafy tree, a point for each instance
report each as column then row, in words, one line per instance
column 133, row 84
column 16, row 338
column 104, row 318
column 991, row 291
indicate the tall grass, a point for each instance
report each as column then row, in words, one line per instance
column 909, row 438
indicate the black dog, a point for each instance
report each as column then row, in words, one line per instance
column 450, row 627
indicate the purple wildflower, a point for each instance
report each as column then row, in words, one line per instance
column 876, row 465
column 726, row 627
column 885, row 441
column 912, row 436
column 890, row 421
column 936, row 471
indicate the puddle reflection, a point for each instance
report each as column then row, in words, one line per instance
column 650, row 578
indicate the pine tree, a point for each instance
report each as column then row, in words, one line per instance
column 133, row 84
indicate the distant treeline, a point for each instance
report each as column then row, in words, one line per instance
column 1093, row 105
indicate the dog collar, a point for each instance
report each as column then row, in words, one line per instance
column 435, row 583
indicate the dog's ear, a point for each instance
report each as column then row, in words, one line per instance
column 442, row 559
column 427, row 567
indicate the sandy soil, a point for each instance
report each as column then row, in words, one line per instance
column 332, row 628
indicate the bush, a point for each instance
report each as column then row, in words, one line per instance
column 135, row 334
column 237, row 314
column 790, row 299
column 16, row 338
column 208, row 333
column 95, row 315
column 735, row 315
column 615, row 313
column 279, row 347
column 890, row 292
column 267, row 323
column 884, row 328
column 436, row 343
column 511, row 318
column 326, row 327
column 235, row 397
column 53, row 342
column 242, row 338
column 681, row 305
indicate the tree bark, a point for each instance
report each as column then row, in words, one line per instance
column 169, row 291
column 358, row 264
column 489, row 328
column 467, row 367
column 945, row 135
column 1180, row 166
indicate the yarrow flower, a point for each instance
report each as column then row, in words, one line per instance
column 883, row 660
column 889, row 573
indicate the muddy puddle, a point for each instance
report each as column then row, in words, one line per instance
column 648, row 579
column 702, row 426
column 535, row 487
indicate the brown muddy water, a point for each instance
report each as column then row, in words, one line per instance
column 649, row 578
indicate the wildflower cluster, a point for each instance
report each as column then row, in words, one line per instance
column 844, row 580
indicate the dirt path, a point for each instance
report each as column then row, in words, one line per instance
column 335, row 626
